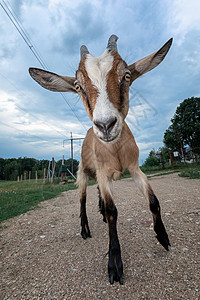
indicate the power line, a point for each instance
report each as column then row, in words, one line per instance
column 9, row 12
column 22, row 32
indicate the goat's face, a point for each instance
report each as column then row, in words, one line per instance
column 103, row 85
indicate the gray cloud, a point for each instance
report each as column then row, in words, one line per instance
column 81, row 26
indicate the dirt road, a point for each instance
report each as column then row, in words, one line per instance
column 44, row 256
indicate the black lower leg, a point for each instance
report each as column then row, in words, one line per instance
column 115, row 265
column 85, row 231
column 159, row 227
column 101, row 206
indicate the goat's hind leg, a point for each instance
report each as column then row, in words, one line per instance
column 159, row 228
column 82, row 181
column 85, row 230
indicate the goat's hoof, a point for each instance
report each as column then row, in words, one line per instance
column 115, row 268
column 162, row 235
column 164, row 241
column 113, row 276
column 85, row 233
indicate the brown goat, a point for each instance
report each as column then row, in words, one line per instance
column 109, row 148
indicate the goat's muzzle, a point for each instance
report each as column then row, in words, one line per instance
column 106, row 129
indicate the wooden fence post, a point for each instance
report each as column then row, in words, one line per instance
column 24, row 176
column 36, row 176
column 21, row 177
column 29, row 176
column 17, row 178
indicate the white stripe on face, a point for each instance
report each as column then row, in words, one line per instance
column 97, row 69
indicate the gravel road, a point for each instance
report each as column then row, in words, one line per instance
column 44, row 256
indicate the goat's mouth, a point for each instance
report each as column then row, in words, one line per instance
column 110, row 139
column 108, row 131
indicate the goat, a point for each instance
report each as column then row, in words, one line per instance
column 109, row 147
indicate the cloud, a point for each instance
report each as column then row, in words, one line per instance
column 184, row 18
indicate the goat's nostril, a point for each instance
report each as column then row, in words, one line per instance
column 100, row 125
column 107, row 126
column 110, row 124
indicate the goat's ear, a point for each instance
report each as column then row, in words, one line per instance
column 148, row 63
column 53, row 82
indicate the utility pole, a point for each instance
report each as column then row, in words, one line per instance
column 72, row 149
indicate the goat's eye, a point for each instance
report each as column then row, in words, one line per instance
column 77, row 86
column 127, row 76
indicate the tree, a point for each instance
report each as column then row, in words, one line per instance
column 152, row 159
column 185, row 127
column 11, row 169
column 2, row 166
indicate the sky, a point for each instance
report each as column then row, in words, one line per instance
column 35, row 122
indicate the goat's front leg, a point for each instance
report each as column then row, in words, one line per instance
column 159, row 228
column 82, row 181
column 115, row 265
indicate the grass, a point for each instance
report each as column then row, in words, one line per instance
column 192, row 173
column 19, row 197
column 157, row 169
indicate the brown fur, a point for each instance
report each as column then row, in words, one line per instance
column 114, row 78
column 88, row 90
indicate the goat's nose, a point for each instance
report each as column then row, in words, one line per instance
column 107, row 126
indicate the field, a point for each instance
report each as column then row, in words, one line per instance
column 44, row 256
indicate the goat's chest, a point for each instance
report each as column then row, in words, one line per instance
column 107, row 156
column 113, row 159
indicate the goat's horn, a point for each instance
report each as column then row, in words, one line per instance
column 83, row 51
column 112, row 42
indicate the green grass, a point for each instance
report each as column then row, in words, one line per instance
column 192, row 173
column 19, row 197
column 156, row 169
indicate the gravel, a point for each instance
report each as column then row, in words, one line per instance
column 44, row 256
